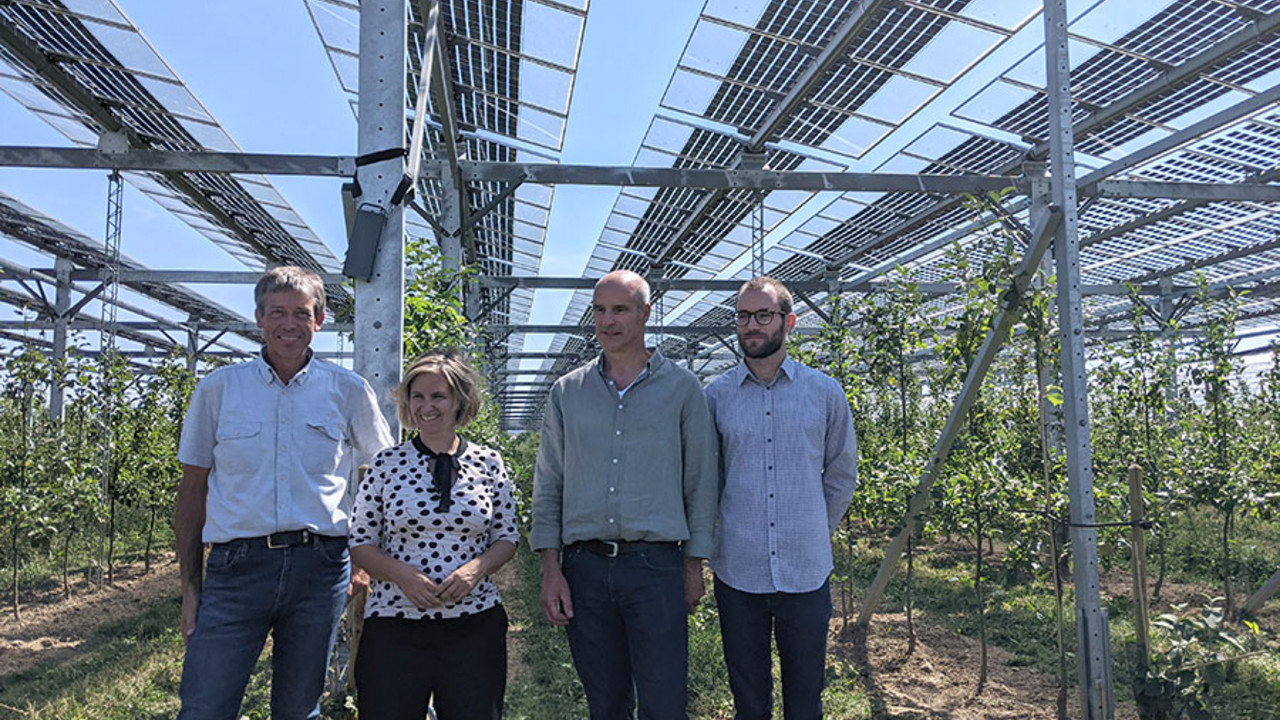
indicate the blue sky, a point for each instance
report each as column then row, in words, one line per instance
column 260, row 70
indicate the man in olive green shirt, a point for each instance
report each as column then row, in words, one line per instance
column 624, row 506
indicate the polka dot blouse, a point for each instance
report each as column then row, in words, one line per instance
column 397, row 509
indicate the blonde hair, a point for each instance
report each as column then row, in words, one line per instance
column 462, row 379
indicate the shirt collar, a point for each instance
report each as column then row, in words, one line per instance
column 268, row 373
column 655, row 361
column 742, row 372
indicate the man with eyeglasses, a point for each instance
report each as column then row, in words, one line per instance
column 789, row 467
column 624, row 509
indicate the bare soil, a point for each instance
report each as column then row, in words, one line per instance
column 940, row 678
column 54, row 628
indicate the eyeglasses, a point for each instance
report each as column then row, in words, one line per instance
column 763, row 317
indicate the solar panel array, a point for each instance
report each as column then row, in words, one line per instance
column 946, row 87
column 950, row 87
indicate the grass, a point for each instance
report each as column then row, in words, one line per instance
column 130, row 672
column 131, row 669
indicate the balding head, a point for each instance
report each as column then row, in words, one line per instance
column 620, row 307
column 632, row 281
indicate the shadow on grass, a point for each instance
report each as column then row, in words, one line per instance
column 547, row 685
column 856, row 637
column 116, row 651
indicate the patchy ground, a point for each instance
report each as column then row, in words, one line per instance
column 53, row 628
column 939, row 679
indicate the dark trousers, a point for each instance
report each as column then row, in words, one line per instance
column 629, row 634
column 799, row 621
column 458, row 665
column 296, row 595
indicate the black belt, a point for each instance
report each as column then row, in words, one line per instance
column 286, row 539
column 614, row 548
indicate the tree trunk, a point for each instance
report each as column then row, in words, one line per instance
column 17, row 611
column 911, row 569
column 1045, row 462
column 66, row 554
column 1227, row 521
column 905, row 438
column 151, row 531
column 111, row 540
column 982, row 604
column 1160, row 546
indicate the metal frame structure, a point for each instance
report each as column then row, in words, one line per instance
column 829, row 140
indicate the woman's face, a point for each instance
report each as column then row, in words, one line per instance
column 434, row 407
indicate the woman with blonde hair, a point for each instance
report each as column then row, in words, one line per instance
column 433, row 519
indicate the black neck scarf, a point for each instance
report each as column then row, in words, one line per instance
column 444, row 470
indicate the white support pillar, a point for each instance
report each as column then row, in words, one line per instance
column 61, row 304
column 1093, row 655
column 379, row 321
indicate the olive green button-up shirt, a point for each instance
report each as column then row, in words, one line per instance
column 638, row 467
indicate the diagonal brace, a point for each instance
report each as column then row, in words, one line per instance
column 1010, row 310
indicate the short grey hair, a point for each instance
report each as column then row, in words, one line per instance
column 290, row 278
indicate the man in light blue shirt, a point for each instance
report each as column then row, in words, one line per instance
column 789, row 469
column 267, row 450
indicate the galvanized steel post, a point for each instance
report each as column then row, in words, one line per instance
column 1093, row 652
column 379, row 321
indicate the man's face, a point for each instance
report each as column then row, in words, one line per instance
column 619, row 318
column 761, row 341
column 288, row 319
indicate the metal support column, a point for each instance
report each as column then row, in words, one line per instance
column 61, row 316
column 1093, row 652
column 379, row 321
column 193, row 343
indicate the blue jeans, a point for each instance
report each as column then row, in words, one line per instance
column 800, row 621
column 629, row 634
column 295, row 593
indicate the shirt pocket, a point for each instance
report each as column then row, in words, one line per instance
column 321, row 446
column 238, row 447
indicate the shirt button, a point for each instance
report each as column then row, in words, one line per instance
column 619, row 406
column 617, row 432
column 770, row 440
column 615, row 461
column 611, row 520
column 770, row 467
column 610, row 489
